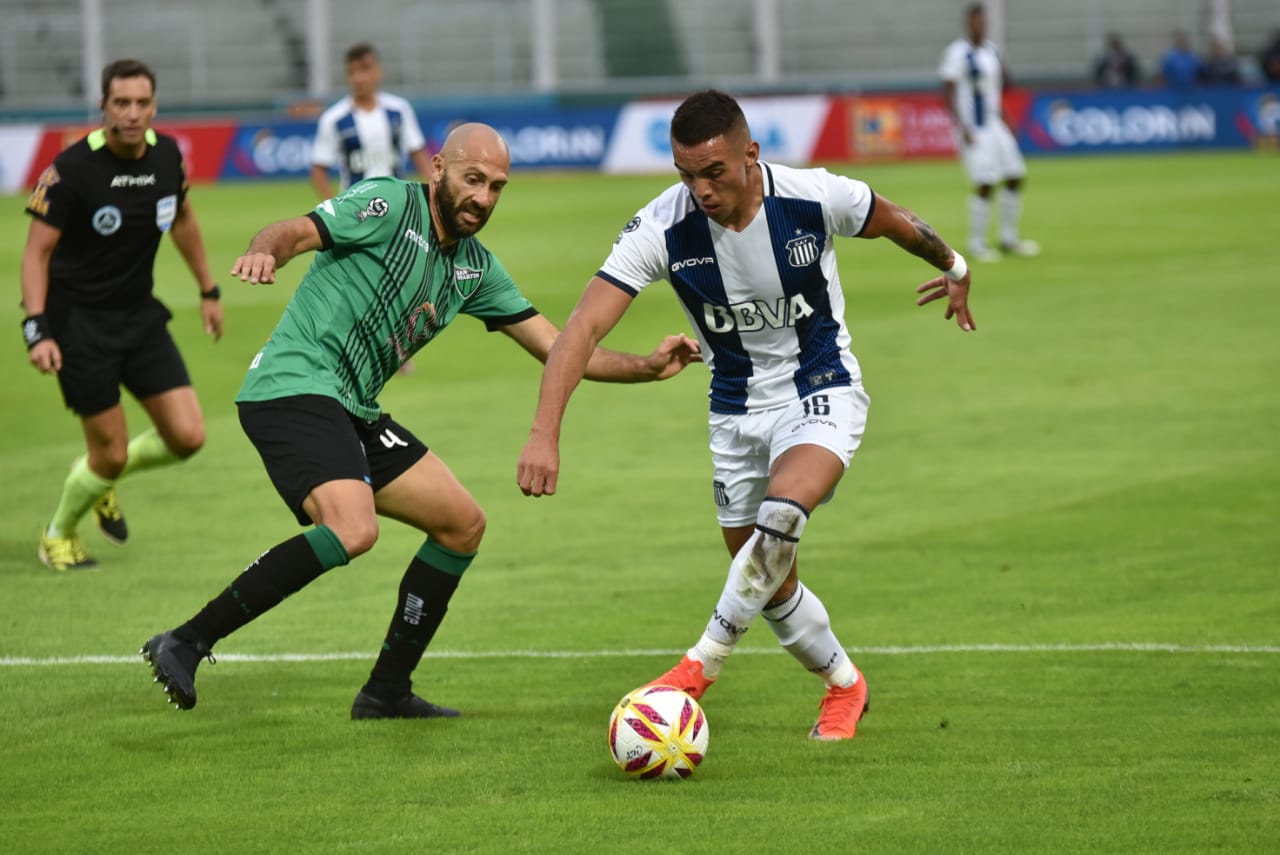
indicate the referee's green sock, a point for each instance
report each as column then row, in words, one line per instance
column 82, row 488
column 147, row 451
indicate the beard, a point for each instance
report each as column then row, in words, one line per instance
column 451, row 214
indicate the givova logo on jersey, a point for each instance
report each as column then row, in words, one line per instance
column 756, row 315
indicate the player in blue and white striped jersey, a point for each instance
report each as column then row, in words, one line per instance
column 748, row 247
column 368, row 134
column 973, row 82
column 766, row 301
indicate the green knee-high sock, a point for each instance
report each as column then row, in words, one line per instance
column 147, row 451
column 81, row 489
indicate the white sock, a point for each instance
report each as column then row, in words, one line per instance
column 979, row 217
column 760, row 566
column 804, row 630
column 1010, row 214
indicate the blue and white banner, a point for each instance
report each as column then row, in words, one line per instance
column 547, row 138
column 787, row 129
column 1077, row 123
column 18, row 145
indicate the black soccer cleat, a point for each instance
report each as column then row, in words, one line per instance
column 174, row 662
column 110, row 518
column 410, row 706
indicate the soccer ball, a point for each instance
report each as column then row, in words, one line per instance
column 658, row 732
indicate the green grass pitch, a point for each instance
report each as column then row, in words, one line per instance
column 1056, row 558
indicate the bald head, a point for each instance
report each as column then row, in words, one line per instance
column 476, row 142
column 468, row 175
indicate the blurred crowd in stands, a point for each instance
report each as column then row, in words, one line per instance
column 1181, row 67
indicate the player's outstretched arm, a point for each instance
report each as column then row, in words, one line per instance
column 273, row 247
column 567, row 357
column 917, row 237
column 537, row 335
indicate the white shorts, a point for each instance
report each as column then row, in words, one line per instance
column 743, row 447
column 993, row 156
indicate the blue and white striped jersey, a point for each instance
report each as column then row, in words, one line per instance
column 766, row 302
column 367, row 143
column 976, row 73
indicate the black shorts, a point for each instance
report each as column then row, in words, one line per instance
column 307, row 440
column 105, row 348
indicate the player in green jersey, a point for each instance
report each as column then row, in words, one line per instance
column 397, row 262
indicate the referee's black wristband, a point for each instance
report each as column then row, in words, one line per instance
column 214, row 293
column 35, row 329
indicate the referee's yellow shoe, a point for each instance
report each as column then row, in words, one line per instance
column 110, row 518
column 64, row 553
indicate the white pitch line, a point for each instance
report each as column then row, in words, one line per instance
column 926, row 649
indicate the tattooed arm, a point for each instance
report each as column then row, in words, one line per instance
column 918, row 238
column 909, row 232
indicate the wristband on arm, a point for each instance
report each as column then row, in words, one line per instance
column 35, row 329
column 959, row 268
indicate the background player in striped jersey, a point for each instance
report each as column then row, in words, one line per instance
column 973, row 81
column 748, row 248
column 97, row 217
column 368, row 133
column 397, row 262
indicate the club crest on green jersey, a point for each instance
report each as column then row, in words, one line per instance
column 466, row 280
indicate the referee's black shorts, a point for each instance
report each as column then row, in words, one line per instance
column 103, row 349
column 307, row 440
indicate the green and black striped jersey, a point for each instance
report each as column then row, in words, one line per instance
column 380, row 289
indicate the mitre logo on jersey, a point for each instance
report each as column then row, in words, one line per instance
column 803, row 251
column 422, row 242
column 133, row 181
column 755, row 315
column 377, row 207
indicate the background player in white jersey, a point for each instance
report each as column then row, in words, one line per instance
column 973, row 78
column 748, row 248
column 368, row 133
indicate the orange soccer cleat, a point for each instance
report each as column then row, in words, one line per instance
column 842, row 709
column 687, row 676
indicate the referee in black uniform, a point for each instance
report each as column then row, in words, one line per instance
column 97, row 216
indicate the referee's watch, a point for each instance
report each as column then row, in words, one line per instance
column 214, row 293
